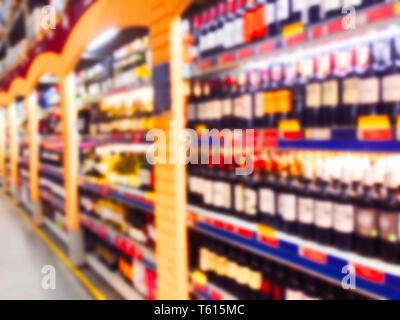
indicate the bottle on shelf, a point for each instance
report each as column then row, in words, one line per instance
column 283, row 13
column 271, row 17
column 306, row 202
column 331, row 8
column 238, row 39
column 229, row 25
column 314, row 11
column 313, row 91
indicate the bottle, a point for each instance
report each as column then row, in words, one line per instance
column 344, row 68
column 366, row 215
column 332, row 8
column 369, row 83
column 278, row 94
column 390, row 79
column 213, row 32
column 238, row 196
column 294, row 289
column 248, row 99
column 298, row 11
column 305, row 203
column 250, row 195
column 283, row 11
column 204, row 35
column 259, row 103
column 312, row 288
column 344, row 214
column 255, row 280
column 271, row 17
column 313, row 91
column 266, row 196
column 266, row 287
column 242, row 102
column 314, row 11
column 192, row 107
column 287, row 201
column 227, row 105
column 330, row 90
column 196, row 37
column 229, row 26
column 323, row 204
column 260, row 19
column 249, row 29
column 221, row 21
column 389, row 216
column 239, row 24
column 292, row 94
column 270, row 101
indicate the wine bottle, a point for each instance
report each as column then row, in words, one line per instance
column 306, row 203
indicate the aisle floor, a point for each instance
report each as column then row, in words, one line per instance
column 23, row 256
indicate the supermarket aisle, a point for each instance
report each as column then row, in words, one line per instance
column 23, row 255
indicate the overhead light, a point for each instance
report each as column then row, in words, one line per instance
column 102, row 39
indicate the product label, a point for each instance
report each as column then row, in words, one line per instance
column 267, row 201
column 323, row 214
column 247, row 107
column 255, row 280
column 330, row 95
column 231, row 269
column 204, row 259
column 239, row 195
column 282, row 10
column 388, row 226
column 344, row 218
column 391, row 88
column 208, row 192
column 238, row 107
column 367, row 223
column 351, row 91
column 283, row 101
column 270, row 102
column 369, row 90
column 227, row 196
column 287, row 207
column 313, row 95
column 226, row 108
column 259, row 105
column 218, row 194
column 306, row 210
column 250, row 204
column 242, row 276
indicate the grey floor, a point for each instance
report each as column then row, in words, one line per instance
column 23, row 255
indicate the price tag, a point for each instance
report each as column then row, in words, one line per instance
column 313, row 255
column 375, row 127
column 369, row 274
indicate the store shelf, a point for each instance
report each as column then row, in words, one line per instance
column 52, row 170
column 113, row 279
column 63, row 236
column 59, row 204
column 123, row 243
column 373, row 18
column 209, row 291
column 129, row 196
column 374, row 277
column 124, row 142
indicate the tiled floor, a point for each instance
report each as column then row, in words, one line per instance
column 22, row 257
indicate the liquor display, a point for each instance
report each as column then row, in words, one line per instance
column 248, row 276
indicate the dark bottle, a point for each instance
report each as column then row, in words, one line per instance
column 298, row 9
column 249, row 29
column 242, row 102
column 344, row 213
column 259, row 103
column 243, row 273
column 248, row 99
column 294, row 290
column 366, row 217
column 192, row 107
column 255, row 280
column 305, row 204
column 269, row 101
column 238, row 196
column 266, row 195
column 369, row 82
column 314, row 11
column 388, row 217
column 271, row 17
column 251, row 195
column 196, row 37
column 222, row 20
column 266, row 287
column 280, row 279
column 219, row 189
column 287, row 201
column 332, row 8
column 292, row 94
column 227, row 103
column 345, row 70
column 323, row 214
column 313, row 92
column 204, row 38
column 283, row 12
column 275, row 107
column 391, row 78
column 330, row 91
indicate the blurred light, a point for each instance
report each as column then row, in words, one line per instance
column 102, row 39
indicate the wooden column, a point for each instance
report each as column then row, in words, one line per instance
column 71, row 160
column 33, row 137
column 170, row 180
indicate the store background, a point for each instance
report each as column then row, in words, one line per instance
column 78, row 99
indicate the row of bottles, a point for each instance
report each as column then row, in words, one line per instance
column 345, row 200
column 331, row 85
column 252, row 277
column 233, row 23
column 117, row 167
column 135, row 223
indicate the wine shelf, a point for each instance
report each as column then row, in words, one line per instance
column 52, row 171
column 132, row 197
column 113, row 279
column 130, row 247
column 374, row 277
column 373, row 18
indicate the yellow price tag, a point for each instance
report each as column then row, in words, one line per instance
column 199, row 278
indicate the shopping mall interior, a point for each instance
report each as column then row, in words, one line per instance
column 200, row 150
